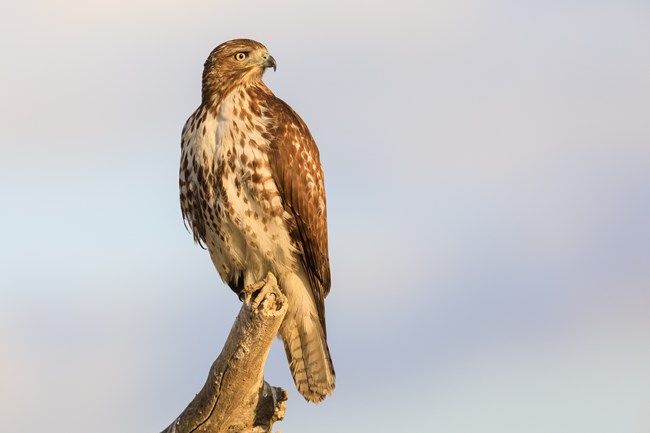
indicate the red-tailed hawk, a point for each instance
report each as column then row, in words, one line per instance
column 251, row 187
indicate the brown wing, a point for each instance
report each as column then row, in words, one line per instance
column 193, row 180
column 296, row 167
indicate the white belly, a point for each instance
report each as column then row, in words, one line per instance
column 246, row 245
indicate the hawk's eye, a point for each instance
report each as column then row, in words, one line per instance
column 241, row 56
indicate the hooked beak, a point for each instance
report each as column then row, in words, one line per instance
column 269, row 62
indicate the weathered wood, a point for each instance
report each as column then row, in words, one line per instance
column 235, row 397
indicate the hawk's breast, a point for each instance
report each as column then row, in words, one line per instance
column 242, row 211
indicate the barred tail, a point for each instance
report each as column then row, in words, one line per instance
column 304, row 340
column 309, row 357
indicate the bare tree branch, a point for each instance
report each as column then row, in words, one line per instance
column 235, row 397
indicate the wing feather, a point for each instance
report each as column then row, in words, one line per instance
column 297, row 171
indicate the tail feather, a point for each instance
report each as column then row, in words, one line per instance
column 309, row 357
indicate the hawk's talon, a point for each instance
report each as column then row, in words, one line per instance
column 260, row 289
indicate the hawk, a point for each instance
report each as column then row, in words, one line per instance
column 252, row 192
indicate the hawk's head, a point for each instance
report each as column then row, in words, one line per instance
column 233, row 63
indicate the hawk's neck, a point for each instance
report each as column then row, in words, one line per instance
column 255, row 90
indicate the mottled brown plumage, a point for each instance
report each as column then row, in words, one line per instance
column 252, row 192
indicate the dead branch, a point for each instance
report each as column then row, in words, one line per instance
column 235, row 397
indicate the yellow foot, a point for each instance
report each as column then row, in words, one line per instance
column 255, row 293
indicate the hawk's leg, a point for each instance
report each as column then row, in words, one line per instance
column 254, row 293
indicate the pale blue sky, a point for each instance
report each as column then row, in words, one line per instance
column 488, row 190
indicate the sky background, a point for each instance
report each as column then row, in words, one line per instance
column 487, row 169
